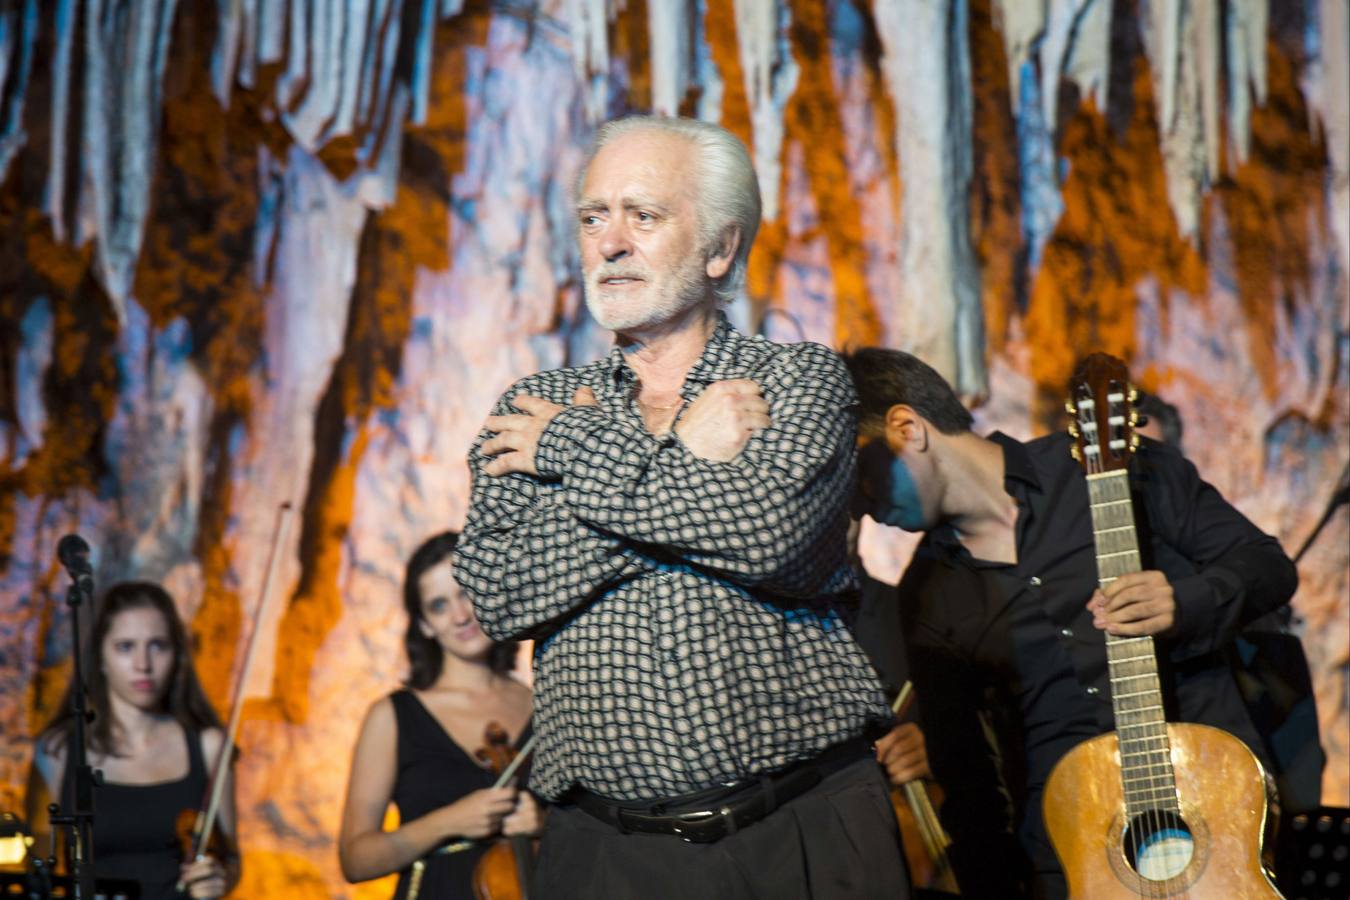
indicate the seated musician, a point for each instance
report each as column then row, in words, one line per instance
column 416, row 747
column 1003, row 619
column 155, row 738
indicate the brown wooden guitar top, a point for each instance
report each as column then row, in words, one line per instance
column 1223, row 799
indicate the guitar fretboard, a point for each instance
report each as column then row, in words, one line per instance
column 1136, row 694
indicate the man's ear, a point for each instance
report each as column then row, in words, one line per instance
column 906, row 429
column 723, row 253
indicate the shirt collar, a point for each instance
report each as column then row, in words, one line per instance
column 1016, row 462
column 718, row 362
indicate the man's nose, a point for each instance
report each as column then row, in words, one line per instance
column 615, row 241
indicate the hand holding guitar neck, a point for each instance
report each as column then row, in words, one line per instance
column 1153, row 809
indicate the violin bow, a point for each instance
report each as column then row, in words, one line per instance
column 207, row 819
column 935, row 839
column 502, row 780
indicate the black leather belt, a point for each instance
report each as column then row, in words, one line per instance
column 710, row 815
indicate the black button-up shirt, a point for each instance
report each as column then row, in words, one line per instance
column 692, row 616
column 1010, row 650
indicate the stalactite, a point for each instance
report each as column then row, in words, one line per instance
column 1323, row 85
column 709, row 79
column 1068, row 39
column 125, row 52
column 233, row 19
column 35, row 355
column 271, row 42
column 1246, row 65
column 1038, row 168
column 420, row 77
column 1071, row 39
column 54, row 193
column 770, row 78
column 927, row 69
column 1088, row 63
column 671, row 56
column 1185, row 50
column 1022, row 23
column 588, row 24
column 318, row 232
column 1061, row 27
column 17, row 29
column 347, row 49
column 1205, row 31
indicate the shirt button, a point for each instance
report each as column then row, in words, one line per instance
column 1034, row 581
column 1066, row 632
column 1093, row 691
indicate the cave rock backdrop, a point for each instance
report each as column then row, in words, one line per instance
column 257, row 251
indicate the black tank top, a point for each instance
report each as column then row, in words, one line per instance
column 135, row 835
column 434, row 771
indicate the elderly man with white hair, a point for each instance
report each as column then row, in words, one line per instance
column 668, row 523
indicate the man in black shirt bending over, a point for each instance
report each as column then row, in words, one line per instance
column 1003, row 618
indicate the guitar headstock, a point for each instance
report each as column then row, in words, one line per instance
column 1101, row 401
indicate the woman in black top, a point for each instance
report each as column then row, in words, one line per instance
column 416, row 745
column 153, row 735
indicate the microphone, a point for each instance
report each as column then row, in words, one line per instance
column 73, row 552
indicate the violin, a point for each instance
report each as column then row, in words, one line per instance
column 506, row 870
column 510, row 879
column 925, row 840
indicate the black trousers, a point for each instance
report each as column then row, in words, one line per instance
column 837, row 841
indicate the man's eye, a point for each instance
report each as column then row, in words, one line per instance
column 645, row 217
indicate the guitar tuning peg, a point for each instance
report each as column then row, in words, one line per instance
column 1077, row 454
column 1133, row 393
column 1134, row 441
column 1073, row 428
column 1070, row 407
column 1134, row 417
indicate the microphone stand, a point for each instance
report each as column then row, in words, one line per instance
column 1340, row 496
column 80, row 821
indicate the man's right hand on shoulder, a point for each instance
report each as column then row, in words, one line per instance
column 515, row 438
column 720, row 421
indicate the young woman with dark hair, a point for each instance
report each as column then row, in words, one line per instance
column 155, row 738
column 416, row 747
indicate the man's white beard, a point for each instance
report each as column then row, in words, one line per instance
column 658, row 301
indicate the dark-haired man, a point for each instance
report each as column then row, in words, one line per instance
column 1003, row 619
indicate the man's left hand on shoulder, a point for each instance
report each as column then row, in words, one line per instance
column 1135, row 605
column 516, row 439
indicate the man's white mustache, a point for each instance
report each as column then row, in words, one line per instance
column 597, row 277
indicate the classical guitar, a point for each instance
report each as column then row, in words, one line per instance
column 1153, row 809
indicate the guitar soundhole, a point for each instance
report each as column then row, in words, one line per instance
column 1159, row 845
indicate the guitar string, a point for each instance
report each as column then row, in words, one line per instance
column 1094, row 466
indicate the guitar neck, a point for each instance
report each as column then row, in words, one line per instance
column 1136, row 693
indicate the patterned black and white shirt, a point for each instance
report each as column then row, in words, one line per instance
column 690, row 615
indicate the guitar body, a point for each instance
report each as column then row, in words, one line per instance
column 1222, row 791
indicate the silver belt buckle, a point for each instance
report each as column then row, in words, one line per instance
column 702, row 817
